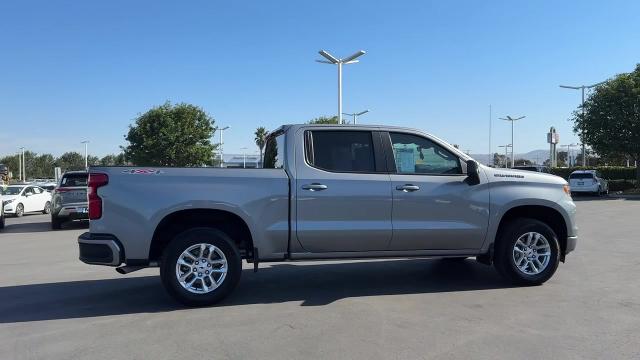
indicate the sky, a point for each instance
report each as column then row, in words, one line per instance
column 83, row 70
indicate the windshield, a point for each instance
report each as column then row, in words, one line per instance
column 11, row 190
column 581, row 176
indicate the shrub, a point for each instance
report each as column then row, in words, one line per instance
column 608, row 172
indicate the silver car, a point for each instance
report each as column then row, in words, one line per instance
column 69, row 199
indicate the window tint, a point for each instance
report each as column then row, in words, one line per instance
column 274, row 152
column 344, row 151
column 37, row 190
column 581, row 176
column 417, row 155
column 70, row 180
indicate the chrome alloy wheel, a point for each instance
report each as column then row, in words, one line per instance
column 201, row 268
column 531, row 253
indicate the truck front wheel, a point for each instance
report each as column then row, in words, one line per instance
column 200, row 266
column 527, row 252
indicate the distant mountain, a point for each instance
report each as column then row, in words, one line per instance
column 537, row 156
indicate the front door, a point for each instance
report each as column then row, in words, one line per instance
column 343, row 195
column 434, row 208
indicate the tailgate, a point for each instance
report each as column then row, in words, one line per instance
column 76, row 194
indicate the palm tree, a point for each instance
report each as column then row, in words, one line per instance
column 261, row 139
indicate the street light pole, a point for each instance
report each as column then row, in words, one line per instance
column 512, row 120
column 355, row 115
column 335, row 61
column 582, row 87
column 20, row 160
column 221, row 143
column 86, row 154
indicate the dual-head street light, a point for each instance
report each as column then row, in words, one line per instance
column 512, row 120
column 332, row 60
column 355, row 115
column 582, row 87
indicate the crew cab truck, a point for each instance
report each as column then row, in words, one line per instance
column 326, row 192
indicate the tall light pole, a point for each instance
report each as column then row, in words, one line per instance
column 512, row 120
column 244, row 157
column 221, row 143
column 335, row 61
column 582, row 87
column 355, row 115
column 506, row 157
column 20, row 160
column 86, row 154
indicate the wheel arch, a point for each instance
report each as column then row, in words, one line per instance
column 546, row 214
column 226, row 221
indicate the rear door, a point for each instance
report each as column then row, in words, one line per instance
column 343, row 195
column 434, row 208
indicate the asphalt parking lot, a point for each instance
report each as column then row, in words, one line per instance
column 52, row 306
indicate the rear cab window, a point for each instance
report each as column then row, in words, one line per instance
column 73, row 180
column 274, row 151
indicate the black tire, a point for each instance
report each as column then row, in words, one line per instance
column 504, row 259
column 1, row 219
column 47, row 208
column 182, row 242
column 19, row 210
column 56, row 223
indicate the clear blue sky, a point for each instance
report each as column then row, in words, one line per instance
column 75, row 70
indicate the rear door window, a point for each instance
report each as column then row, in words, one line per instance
column 341, row 151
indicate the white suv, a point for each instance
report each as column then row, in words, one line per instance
column 588, row 181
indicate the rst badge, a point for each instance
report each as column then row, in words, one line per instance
column 142, row 171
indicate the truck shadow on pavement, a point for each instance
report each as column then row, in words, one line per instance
column 43, row 226
column 314, row 284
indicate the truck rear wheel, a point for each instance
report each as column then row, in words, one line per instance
column 527, row 252
column 200, row 266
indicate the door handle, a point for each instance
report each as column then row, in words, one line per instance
column 408, row 188
column 314, row 187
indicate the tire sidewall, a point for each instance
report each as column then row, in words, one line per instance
column 47, row 208
column 191, row 237
column 508, row 240
column 21, row 212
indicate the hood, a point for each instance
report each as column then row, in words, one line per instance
column 502, row 174
column 8, row 197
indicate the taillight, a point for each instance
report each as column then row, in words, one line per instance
column 96, row 180
column 61, row 190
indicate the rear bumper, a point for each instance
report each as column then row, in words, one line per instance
column 583, row 189
column 73, row 211
column 100, row 249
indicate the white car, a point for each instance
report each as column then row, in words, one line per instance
column 588, row 181
column 20, row 199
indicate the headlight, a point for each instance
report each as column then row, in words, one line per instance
column 7, row 202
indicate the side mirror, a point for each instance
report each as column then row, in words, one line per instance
column 473, row 173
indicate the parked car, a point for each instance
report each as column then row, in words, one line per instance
column 536, row 168
column 327, row 192
column 588, row 181
column 20, row 199
column 70, row 199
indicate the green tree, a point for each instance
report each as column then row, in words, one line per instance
column 113, row 160
column 261, row 139
column 70, row 161
column 324, row 120
column 11, row 161
column 611, row 119
column 171, row 135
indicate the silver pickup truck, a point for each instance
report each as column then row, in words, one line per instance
column 326, row 192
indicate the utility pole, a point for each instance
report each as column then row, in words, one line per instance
column 23, row 172
column 512, row 120
column 582, row 87
column 355, row 115
column 506, row 157
column 86, row 154
column 335, row 61
column 19, row 166
column 490, row 148
column 221, row 143
column 244, row 157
